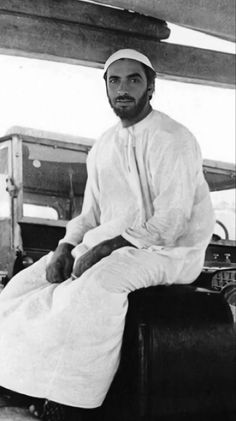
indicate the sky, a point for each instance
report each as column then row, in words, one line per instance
column 71, row 99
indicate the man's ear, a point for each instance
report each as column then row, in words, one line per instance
column 150, row 89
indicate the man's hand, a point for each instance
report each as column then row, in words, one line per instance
column 60, row 266
column 97, row 253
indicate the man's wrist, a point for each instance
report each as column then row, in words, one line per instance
column 64, row 246
column 119, row 242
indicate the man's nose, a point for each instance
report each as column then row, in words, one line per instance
column 122, row 88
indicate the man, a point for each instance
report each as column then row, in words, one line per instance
column 146, row 220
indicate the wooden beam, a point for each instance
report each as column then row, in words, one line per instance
column 214, row 17
column 71, row 42
column 89, row 14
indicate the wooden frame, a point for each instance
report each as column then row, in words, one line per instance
column 83, row 33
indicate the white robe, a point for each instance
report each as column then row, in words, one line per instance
column 145, row 182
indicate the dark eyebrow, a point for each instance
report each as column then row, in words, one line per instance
column 113, row 77
column 135, row 75
column 130, row 76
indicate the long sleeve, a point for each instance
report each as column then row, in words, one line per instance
column 175, row 179
column 90, row 215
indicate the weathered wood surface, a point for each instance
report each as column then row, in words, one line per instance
column 214, row 17
column 90, row 15
column 67, row 41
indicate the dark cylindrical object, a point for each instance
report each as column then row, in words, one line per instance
column 178, row 358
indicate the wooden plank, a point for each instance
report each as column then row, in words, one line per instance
column 214, row 17
column 89, row 14
column 80, row 44
column 42, row 221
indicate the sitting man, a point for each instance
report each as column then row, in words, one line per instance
column 146, row 220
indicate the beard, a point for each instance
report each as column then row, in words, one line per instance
column 129, row 113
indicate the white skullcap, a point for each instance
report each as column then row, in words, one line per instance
column 131, row 54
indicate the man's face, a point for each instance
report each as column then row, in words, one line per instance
column 127, row 88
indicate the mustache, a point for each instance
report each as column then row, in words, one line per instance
column 124, row 97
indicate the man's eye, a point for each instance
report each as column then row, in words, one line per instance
column 134, row 80
column 112, row 81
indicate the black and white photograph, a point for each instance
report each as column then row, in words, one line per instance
column 117, row 210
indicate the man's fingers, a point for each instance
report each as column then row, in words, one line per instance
column 84, row 263
column 79, row 269
column 54, row 274
column 67, row 272
column 60, row 266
